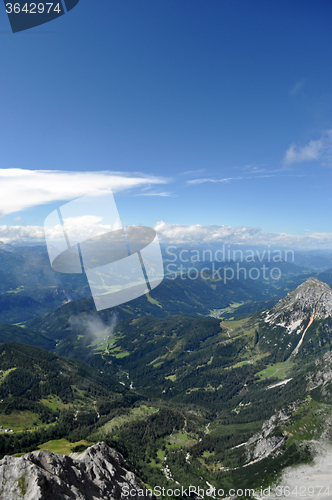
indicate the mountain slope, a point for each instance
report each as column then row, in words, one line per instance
column 32, row 373
column 39, row 388
column 17, row 334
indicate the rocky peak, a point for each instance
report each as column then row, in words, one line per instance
column 312, row 296
column 99, row 472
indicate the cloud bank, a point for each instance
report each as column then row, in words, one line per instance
column 179, row 234
column 240, row 235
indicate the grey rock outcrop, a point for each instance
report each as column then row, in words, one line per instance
column 264, row 443
column 323, row 374
column 98, row 473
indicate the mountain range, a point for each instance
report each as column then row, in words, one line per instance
column 199, row 381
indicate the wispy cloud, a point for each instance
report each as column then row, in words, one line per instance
column 254, row 169
column 253, row 175
column 297, row 87
column 21, row 189
column 207, row 179
column 248, row 172
column 320, row 149
column 163, row 194
column 190, row 172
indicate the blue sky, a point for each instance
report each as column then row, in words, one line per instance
column 217, row 113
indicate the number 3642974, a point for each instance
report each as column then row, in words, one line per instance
column 33, row 8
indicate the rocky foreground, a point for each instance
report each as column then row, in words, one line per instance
column 98, row 473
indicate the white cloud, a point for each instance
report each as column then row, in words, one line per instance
column 181, row 233
column 79, row 228
column 309, row 152
column 83, row 227
column 83, row 220
column 21, row 189
column 17, row 234
column 321, row 149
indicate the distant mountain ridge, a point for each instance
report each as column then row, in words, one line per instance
column 30, row 287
